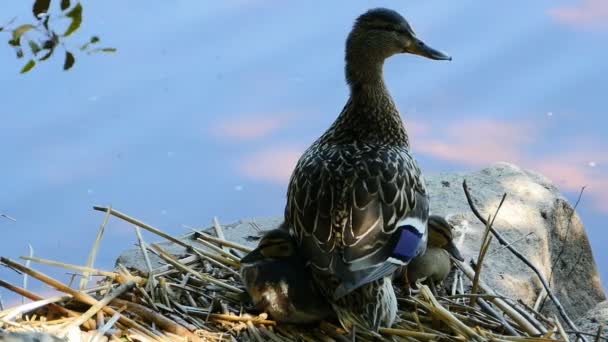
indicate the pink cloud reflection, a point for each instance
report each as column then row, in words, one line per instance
column 585, row 13
column 271, row 165
column 475, row 142
column 247, row 128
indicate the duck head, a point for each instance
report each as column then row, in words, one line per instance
column 379, row 34
column 277, row 244
column 441, row 236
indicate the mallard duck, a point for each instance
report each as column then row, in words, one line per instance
column 278, row 282
column 435, row 264
column 356, row 200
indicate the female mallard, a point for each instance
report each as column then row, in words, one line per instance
column 435, row 264
column 356, row 199
column 279, row 283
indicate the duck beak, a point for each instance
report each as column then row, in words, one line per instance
column 252, row 257
column 418, row 47
column 453, row 250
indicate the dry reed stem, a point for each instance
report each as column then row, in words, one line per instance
column 94, row 250
column 147, row 314
column 232, row 318
column 528, row 263
column 220, row 251
column 485, row 244
column 21, row 309
column 172, row 260
column 523, row 323
column 446, row 316
column 78, row 295
column 415, row 334
column 83, row 269
column 34, row 297
column 99, row 305
column 234, row 245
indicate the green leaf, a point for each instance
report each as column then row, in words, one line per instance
column 105, row 50
column 76, row 15
column 41, row 7
column 14, row 43
column 34, row 47
column 48, row 54
column 65, row 4
column 94, row 40
column 49, row 44
column 29, row 66
column 19, row 52
column 20, row 31
column 69, row 60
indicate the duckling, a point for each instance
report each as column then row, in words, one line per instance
column 357, row 201
column 278, row 282
column 435, row 264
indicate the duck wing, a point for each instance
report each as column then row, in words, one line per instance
column 357, row 210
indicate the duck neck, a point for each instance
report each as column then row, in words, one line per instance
column 370, row 114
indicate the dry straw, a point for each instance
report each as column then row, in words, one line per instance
column 197, row 297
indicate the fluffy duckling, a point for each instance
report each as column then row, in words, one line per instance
column 435, row 264
column 278, row 282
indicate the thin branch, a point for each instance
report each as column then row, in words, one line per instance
column 521, row 257
column 8, row 217
column 93, row 253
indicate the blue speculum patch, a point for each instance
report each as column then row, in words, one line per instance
column 407, row 245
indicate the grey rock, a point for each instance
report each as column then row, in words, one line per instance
column 539, row 222
column 6, row 336
column 239, row 232
column 534, row 218
column 594, row 319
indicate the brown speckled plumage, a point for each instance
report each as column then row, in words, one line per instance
column 352, row 188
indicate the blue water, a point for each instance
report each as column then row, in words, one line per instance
column 206, row 105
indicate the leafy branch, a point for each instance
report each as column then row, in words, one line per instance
column 37, row 41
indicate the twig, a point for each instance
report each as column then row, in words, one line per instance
column 224, row 317
column 219, row 251
column 521, row 257
column 219, row 232
column 560, row 329
column 93, row 253
column 148, row 315
column 35, row 297
column 78, row 295
column 151, row 284
column 8, row 217
column 106, row 327
column 163, row 234
column 27, row 264
column 83, row 269
column 563, row 246
column 33, row 306
column 172, row 260
column 487, row 308
column 598, row 336
column 99, row 305
column 207, row 237
column 499, row 249
column 485, row 244
column 524, row 324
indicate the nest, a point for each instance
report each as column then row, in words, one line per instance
column 197, row 297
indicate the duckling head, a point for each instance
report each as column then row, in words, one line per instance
column 441, row 236
column 276, row 245
column 379, row 34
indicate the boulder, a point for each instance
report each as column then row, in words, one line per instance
column 594, row 319
column 539, row 222
column 535, row 218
